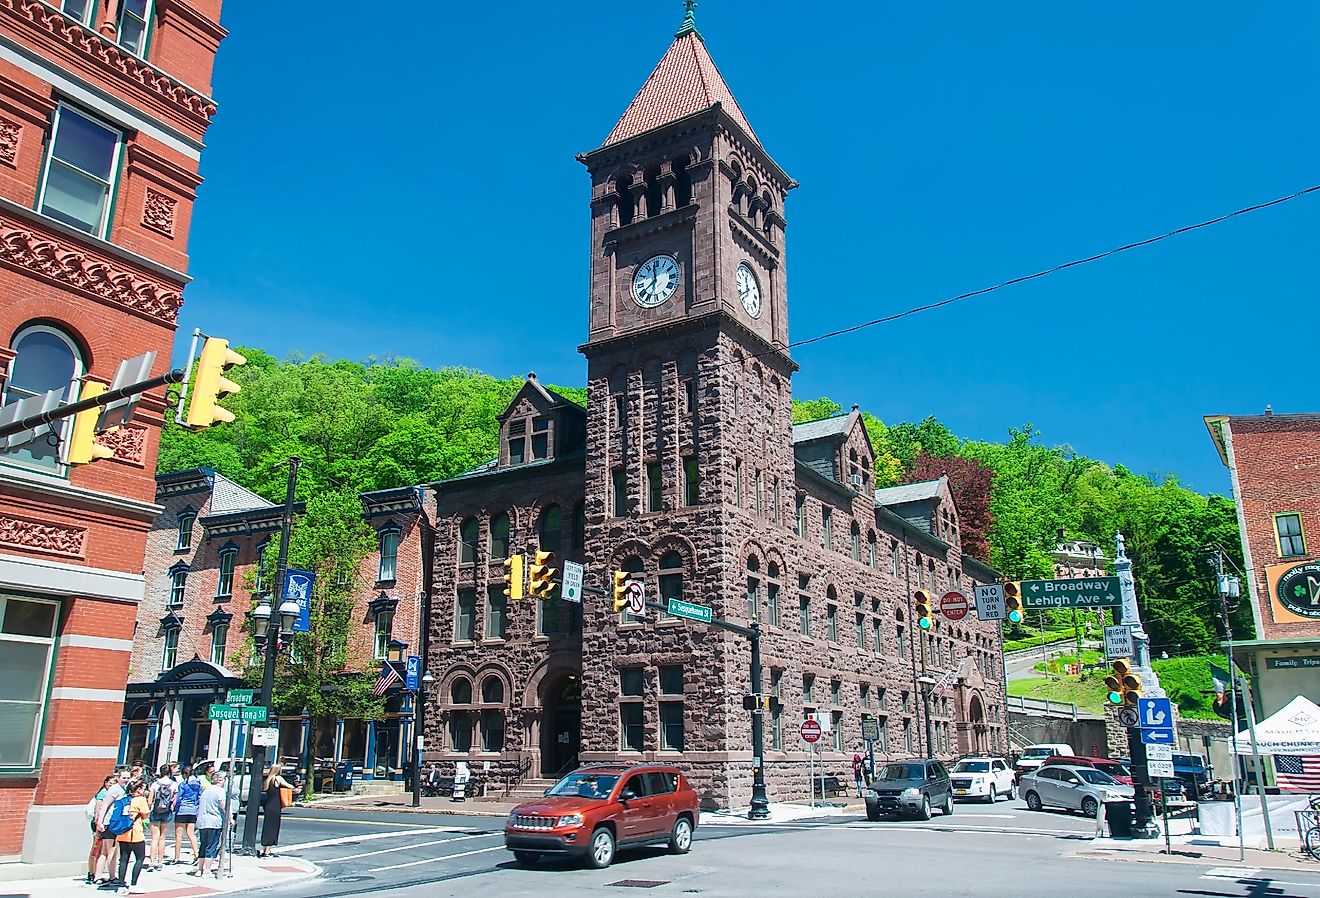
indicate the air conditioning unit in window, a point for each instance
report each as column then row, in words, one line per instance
column 857, row 480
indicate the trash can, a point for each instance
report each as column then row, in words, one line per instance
column 344, row 776
column 1118, row 815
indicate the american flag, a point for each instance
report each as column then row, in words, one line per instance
column 1298, row 773
column 388, row 677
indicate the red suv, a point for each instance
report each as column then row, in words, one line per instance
column 596, row 809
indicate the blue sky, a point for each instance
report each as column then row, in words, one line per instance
column 391, row 185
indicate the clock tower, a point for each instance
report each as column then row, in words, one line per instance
column 689, row 450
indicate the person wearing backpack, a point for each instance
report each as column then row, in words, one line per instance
column 162, row 797
column 126, row 823
column 186, row 800
column 94, row 808
column 109, row 846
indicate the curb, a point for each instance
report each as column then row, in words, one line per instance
column 1185, row 858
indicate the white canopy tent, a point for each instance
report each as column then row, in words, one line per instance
column 1292, row 730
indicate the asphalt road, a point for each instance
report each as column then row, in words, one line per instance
column 1001, row 850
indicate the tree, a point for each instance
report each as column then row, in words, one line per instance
column 971, row 484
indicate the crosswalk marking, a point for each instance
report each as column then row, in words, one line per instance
column 432, row 860
column 407, row 847
column 1231, row 872
column 367, row 837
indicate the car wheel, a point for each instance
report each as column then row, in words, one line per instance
column 601, row 849
column 680, row 840
column 873, row 814
column 1090, row 807
column 992, row 796
column 948, row 804
column 1012, row 791
column 1033, row 801
column 924, row 813
column 526, row 858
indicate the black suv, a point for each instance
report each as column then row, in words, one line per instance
column 911, row 788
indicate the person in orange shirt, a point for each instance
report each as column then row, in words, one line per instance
column 133, row 843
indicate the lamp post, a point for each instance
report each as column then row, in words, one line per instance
column 927, row 683
column 419, row 719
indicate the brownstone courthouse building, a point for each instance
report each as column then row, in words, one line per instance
column 685, row 469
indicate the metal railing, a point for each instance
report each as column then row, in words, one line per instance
column 1045, row 706
column 514, row 780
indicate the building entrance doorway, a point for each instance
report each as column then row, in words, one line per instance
column 561, row 730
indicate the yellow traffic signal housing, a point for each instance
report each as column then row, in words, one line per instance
column 210, row 385
column 539, row 572
column 82, row 446
column 1013, row 602
column 921, row 608
column 1114, row 683
column 620, row 593
column 1131, row 689
column 513, row 576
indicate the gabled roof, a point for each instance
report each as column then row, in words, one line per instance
column 819, row 430
column 685, row 81
column 908, row 492
column 548, row 396
column 228, row 497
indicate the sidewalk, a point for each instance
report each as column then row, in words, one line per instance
column 174, row 881
column 1199, row 850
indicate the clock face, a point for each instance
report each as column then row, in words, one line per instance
column 655, row 281
column 749, row 291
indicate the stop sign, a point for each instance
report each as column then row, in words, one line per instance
column 810, row 731
column 954, row 605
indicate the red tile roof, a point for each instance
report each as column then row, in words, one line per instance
column 684, row 81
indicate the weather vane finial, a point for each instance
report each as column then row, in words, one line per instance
column 689, row 25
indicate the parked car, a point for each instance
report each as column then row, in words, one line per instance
column 985, row 778
column 911, row 788
column 1034, row 756
column 597, row 809
column 1073, row 788
column 1114, row 768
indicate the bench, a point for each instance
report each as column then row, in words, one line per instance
column 831, row 785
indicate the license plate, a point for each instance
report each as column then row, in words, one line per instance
column 959, row 791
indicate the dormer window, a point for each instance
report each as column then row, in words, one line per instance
column 540, row 438
column 518, row 441
column 529, row 439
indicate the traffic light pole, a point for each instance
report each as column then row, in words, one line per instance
column 101, row 400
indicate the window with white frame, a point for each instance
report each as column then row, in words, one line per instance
column 45, row 359
column 135, row 26
column 389, row 557
column 224, row 584
column 384, row 631
column 219, row 636
column 80, row 10
column 1289, row 529
column 178, row 584
column 82, row 164
column 260, row 579
column 169, row 655
column 186, row 522
column 27, row 647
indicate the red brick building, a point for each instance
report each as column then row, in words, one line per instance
column 1274, row 462
column 103, row 110
column 686, row 469
column 205, row 572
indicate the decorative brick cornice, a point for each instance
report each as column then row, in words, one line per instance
column 52, row 258
column 110, row 55
column 52, row 538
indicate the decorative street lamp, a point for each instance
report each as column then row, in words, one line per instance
column 419, row 717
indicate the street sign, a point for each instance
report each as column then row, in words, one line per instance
column 990, row 601
column 1118, row 642
column 1162, row 736
column 810, row 731
column 1087, row 592
column 679, row 608
column 412, row 673
column 267, row 736
column 636, row 594
column 298, row 588
column 954, row 605
column 871, row 730
column 1158, row 767
column 1159, row 752
column 572, row 588
column 245, row 713
column 1128, row 717
column 1156, row 713
column 240, row 696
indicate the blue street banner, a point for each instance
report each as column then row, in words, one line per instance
column 412, row 673
column 298, row 588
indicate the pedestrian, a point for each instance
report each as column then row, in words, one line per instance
column 99, row 848
column 185, row 812
column 211, row 822
column 162, row 797
column 272, row 805
column 109, row 845
column 205, row 769
column 132, row 843
column 858, row 778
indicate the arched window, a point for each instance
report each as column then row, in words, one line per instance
column 499, row 536
column 388, row 568
column 753, row 588
column 870, row 549
column 468, row 537
column 772, row 593
column 654, row 193
column 492, row 691
column 460, row 719
column 186, row 521
column 623, row 186
column 45, row 359
column 460, row 691
column 224, row 583
column 551, row 529
column 671, row 578
column 682, row 182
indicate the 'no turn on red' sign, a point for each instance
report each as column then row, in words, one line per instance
column 810, row 731
column 954, row 605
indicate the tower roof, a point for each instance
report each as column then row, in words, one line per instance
column 685, row 81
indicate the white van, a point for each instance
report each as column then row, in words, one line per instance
column 1031, row 757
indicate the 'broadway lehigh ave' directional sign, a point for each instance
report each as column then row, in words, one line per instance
column 1087, row 592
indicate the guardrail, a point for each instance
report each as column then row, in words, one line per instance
column 1044, row 706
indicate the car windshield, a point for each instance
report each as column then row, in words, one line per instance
column 972, row 767
column 1096, row 777
column 1113, row 768
column 586, row 785
column 903, row 772
column 1037, row 753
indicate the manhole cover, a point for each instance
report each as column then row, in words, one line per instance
column 639, row 883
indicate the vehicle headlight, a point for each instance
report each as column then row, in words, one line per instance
column 912, row 793
column 871, row 793
column 570, row 820
column 513, row 815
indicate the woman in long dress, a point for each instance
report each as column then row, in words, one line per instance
column 272, row 806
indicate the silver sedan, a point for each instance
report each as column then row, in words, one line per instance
column 1082, row 789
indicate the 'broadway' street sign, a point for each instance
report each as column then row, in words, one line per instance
column 1087, row 592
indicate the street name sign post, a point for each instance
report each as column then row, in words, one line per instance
column 244, row 713
column 680, row 608
column 572, row 587
column 1118, row 642
column 1159, row 761
column 1086, row 592
column 990, row 601
column 240, row 696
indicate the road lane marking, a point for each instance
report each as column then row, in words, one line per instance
column 432, row 860
column 1230, row 872
column 411, row 845
column 368, row 837
column 358, row 822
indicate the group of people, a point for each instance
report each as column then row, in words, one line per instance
column 132, row 806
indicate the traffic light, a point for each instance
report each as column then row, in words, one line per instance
column 762, row 702
column 210, row 385
column 82, row 447
column 539, row 572
column 513, row 576
column 1131, row 689
column 921, row 608
column 621, row 579
column 1124, row 686
column 1013, row 602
